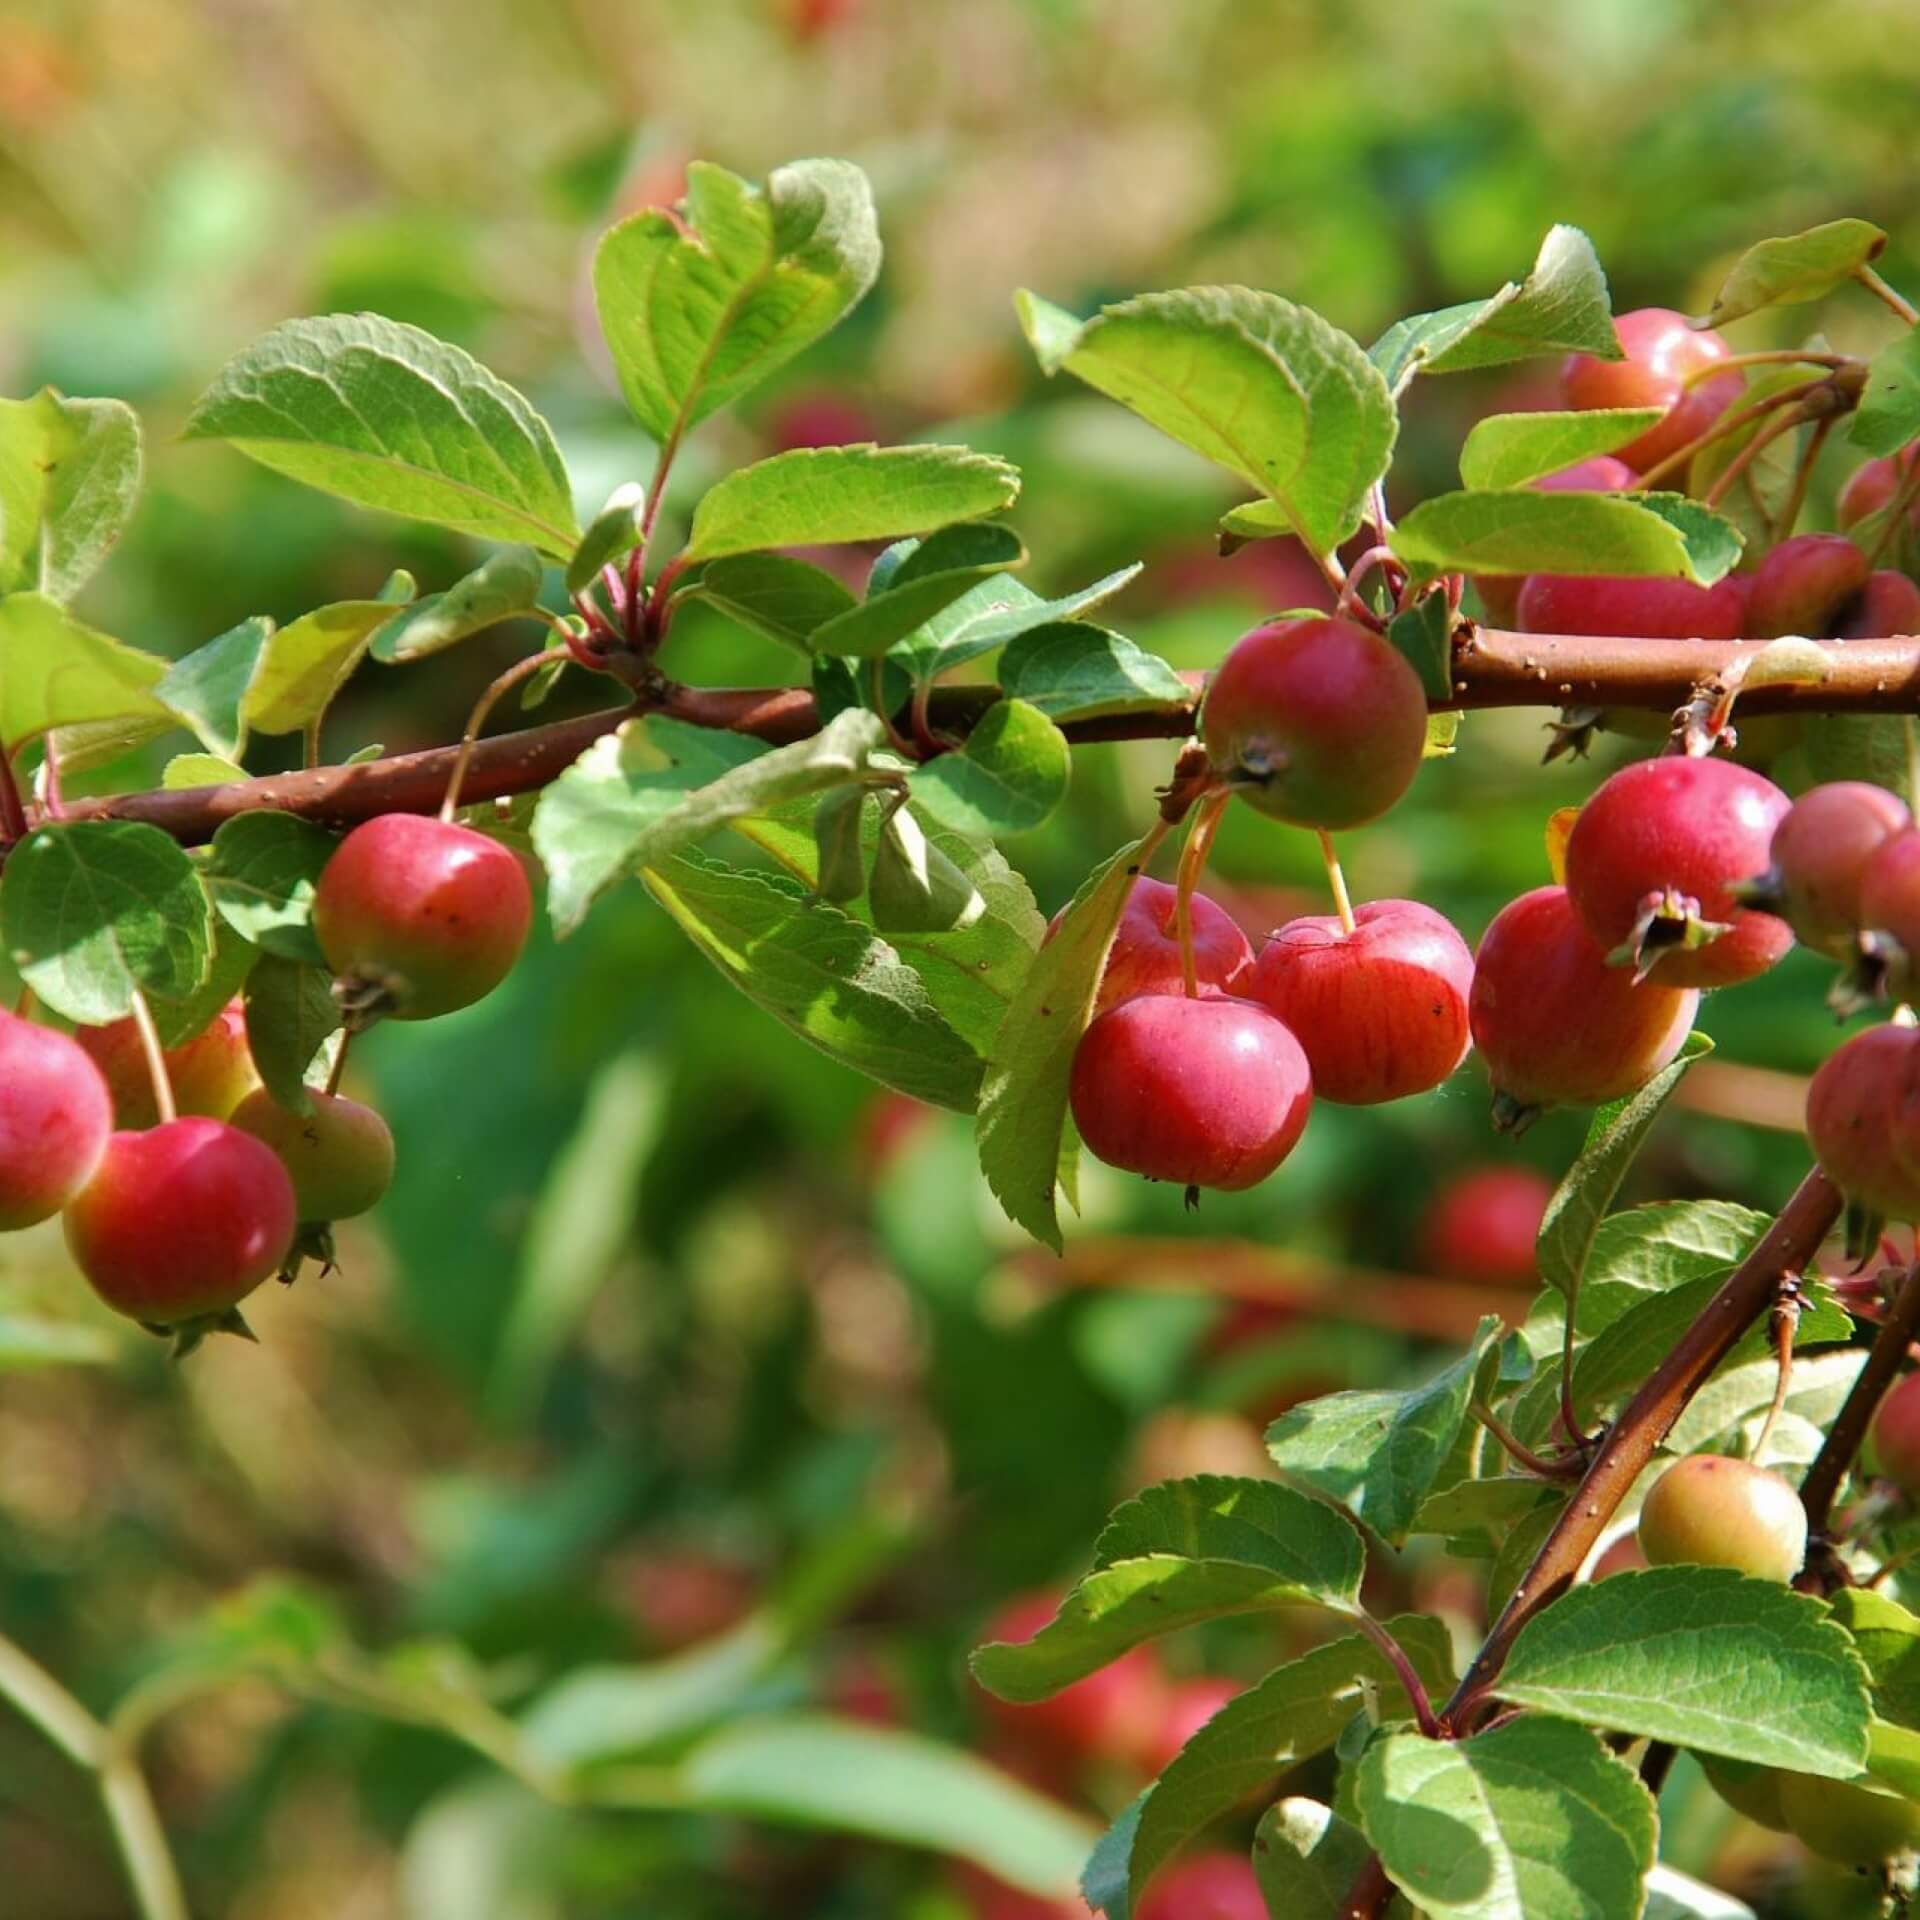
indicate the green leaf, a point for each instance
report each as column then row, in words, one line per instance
column 640, row 795
column 914, row 887
column 1179, row 1553
column 1533, row 1820
column 178, row 1021
column 1424, row 635
column 69, row 475
column 612, row 535
column 1008, row 778
column 1740, row 1394
column 1887, row 1637
column 1893, row 1757
column 1476, row 1515
column 208, row 687
column 810, row 1770
column 1889, row 412
column 993, row 614
column 1073, row 670
column 771, row 593
column 307, row 662
column 389, row 417
column 188, row 770
column 823, row 974
column 925, row 583
column 261, row 876
column 699, row 309
column 1561, row 307
column 1799, row 267
column 1704, row 1658
column 1672, row 1895
column 1509, row 449
column 291, row 1014
column 839, row 844
column 1264, row 388
column 505, row 585
column 827, row 496
column 1524, row 530
column 1306, row 1859
column 1714, row 542
column 1299, row 1710
column 96, row 911
column 54, row 672
column 1857, row 746
column 1649, row 1249
column 1614, row 1136
column 1379, row 1453
column 1023, row 1097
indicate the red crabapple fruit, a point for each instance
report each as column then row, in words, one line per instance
column 1380, row 1011
column 1647, row 609
column 1802, row 585
column 1500, row 592
column 1887, row 605
column 1207, row 1092
column 1115, row 1712
column 210, row 1074
column 1896, row 1434
column 1818, row 858
column 1863, row 1120
column 1206, row 1886
column 1652, row 862
column 1145, row 955
column 1714, row 1512
column 1483, row 1225
column 1661, row 351
column 55, row 1116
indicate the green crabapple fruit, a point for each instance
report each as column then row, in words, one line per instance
column 1145, row 955
column 180, row 1223
column 1661, row 350
column 1382, row 1011
column 339, row 1156
column 1484, row 1225
column 1863, row 1120
column 55, row 1116
column 1818, row 856
column 1711, row 1511
column 1856, row 1824
column 1558, row 1026
column 1318, row 722
column 210, row 1074
column 1653, row 860
column 419, row 917
column 1207, row 1092
column 1896, row 1434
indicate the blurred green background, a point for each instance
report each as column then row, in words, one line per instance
column 666, row 1310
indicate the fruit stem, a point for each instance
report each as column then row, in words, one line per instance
column 1766, row 357
column 1629, row 1444
column 1193, row 861
column 339, row 1067
column 1337, row 880
column 1521, row 1454
column 1889, row 295
column 520, row 670
column 1729, row 422
column 1786, row 1323
column 1411, row 1684
column 1894, row 513
column 1783, row 422
column 156, row 1059
column 1781, row 524
column 1849, row 1429
column 310, row 742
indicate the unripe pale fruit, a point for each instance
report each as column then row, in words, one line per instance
column 1888, row 604
column 1645, row 609
column 419, row 917
column 1145, row 955
column 1114, row 1713
column 1555, row 1024
column 1802, row 585
column 210, row 1074
column 1207, row 1093
column 1500, row 592
column 1661, row 351
column 1320, row 722
column 1205, row 1886
column 339, row 1156
column 1381, row 1012
column 55, row 1116
column 1483, row 1225
column 1863, row 1120
column 1714, row 1512
column 1652, row 861
column 1819, row 856
column 1896, row 1434
column 1748, row 1789
column 1856, row 1824
column 180, row 1223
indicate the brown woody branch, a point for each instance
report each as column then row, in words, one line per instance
column 1492, row 668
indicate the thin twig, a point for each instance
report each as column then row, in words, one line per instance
column 1519, row 1452
column 1850, row 1424
column 505, row 683
column 1891, row 296
column 1782, row 523
column 156, row 1059
column 1728, row 423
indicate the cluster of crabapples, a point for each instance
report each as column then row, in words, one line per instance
column 183, row 1184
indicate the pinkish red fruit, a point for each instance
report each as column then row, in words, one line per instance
column 1145, row 955
column 1483, row 1225
column 1205, row 1093
column 1803, row 584
column 1555, row 1024
column 55, row 1116
column 1638, row 608
column 1114, row 1713
column 1890, row 895
column 1661, row 351
column 1653, row 860
column 1896, row 1434
column 180, row 1223
column 1500, row 592
column 1713, row 1512
column 210, row 1074
column 1319, row 722
column 1190, row 1705
column 1863, row 1120
column 1381, row 1012
column 418, row 917
column 1889, row 604
column 1205, row 1886
column 1819, row 857
column 1870, row 488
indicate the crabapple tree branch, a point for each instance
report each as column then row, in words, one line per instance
column 1491, row 668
